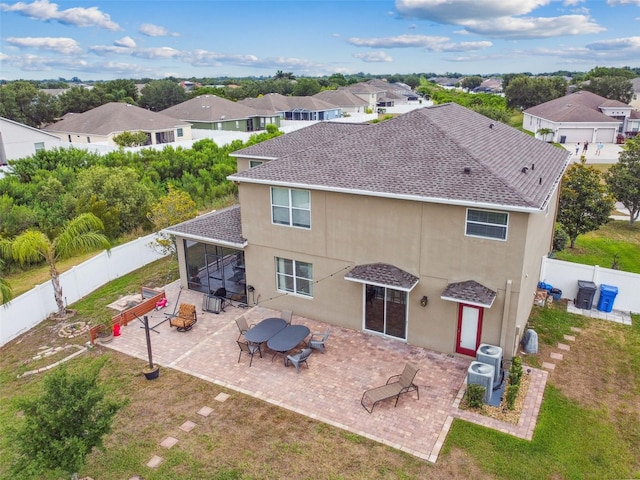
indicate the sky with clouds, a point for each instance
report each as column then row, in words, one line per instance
column 103, row 40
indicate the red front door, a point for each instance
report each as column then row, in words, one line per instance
column 469, row 329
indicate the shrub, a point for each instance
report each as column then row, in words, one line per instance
column 475, row 395
column 560, row 238
column 512, row 394
column 515, row 372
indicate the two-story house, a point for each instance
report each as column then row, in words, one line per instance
column 428, row 228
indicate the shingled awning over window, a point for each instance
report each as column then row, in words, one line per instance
column 383, row 275
column 470, row 292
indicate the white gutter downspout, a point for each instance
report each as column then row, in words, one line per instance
column 505, row 319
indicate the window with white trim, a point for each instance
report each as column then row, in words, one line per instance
column 39, row 146
column 291, row 207
column 255, row 163
column 294, row 277
column 487, row 224
column 180, row 132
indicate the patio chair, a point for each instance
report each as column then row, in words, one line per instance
column 286, row 316
column 185, row 319
column 298, row 359
column 243, row 326
column 250, row 349
column 396, row 385
column 318, row 340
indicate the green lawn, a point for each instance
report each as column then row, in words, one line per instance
column 616, row 240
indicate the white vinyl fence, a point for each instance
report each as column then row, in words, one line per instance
column 565, row 276
column 28, row 310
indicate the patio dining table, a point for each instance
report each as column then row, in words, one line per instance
column 264, row 330
column 287, row 338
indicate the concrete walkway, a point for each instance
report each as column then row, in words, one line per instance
column 609, row 153
column 331, row 388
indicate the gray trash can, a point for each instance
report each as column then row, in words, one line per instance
column 586, row 292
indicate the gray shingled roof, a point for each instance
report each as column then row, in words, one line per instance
column 383, row 274
column 222, row 227
column 299, row 140
column 362, row 88
column 210, row 108
column 582, row 106
column 469, row 292
column 114, row 117
column 341, row 98
column 279, row 103
column 422, row 155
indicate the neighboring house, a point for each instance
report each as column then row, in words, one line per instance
column 294, row 108
column 369, row 93
column 489, row 85
column 398, row 93
column 583, row 116
column 347, row 101
column 18, row 141
column 635, row 99
column 101, row 124
column 428, row 228
column 210, row 112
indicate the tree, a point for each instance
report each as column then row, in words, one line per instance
column 79, row 100
column 544, row 133
column 80, row 235
column 5, row 288
column 623, row 178
column 63, row 424
column 585, row 203
column 305, row 87
column 613, row 88
column 161, row 94
column 524, row 92
column 469, row 83
column 22, row 102
column 175, row 207
column 131, row 139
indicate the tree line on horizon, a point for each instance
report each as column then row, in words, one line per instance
column 24, row 101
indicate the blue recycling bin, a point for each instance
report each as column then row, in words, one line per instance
column 607, row 297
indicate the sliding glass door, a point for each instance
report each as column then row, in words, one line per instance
column 385, row 311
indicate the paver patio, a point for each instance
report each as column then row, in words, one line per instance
column 331, row 388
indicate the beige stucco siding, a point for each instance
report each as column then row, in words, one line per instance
column 425, row 239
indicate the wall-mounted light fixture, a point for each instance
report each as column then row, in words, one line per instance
column 424, row 301
column 250, row 288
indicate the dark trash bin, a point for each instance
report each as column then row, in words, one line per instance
column 586, row 292
column 607, row 297
column 556, row 293
column 563, row 138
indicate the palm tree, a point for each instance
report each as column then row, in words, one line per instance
column 544, row 133
column 80, row 235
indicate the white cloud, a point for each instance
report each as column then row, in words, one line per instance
column 374, row 57
column 160, row 52
column 624, row 2
column 34, row 63
column 66, row 46
column 500, row 18
column 399, row 41
column 77, row 16
column 109, row 50
column 127, row 42
column 434, row 44
column 151, row 30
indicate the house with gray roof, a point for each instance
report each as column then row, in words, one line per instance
column 369, row 93
column 347, row 101
column 428, row 228
column 101, row 124
column 294, row 107
column 635, row 98
column 583, row 117
column 210, row 112
column 19, row 141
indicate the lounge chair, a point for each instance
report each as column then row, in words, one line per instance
column 318, row 340
column 185, row 319
column 298, row 359
column 395, row 386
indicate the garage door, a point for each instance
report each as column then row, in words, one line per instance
column 574, row 135
column 606, row 135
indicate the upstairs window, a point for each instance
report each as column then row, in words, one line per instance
column 291, row 207
column 39, row 146
column 487, row 224
column 294, row 277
